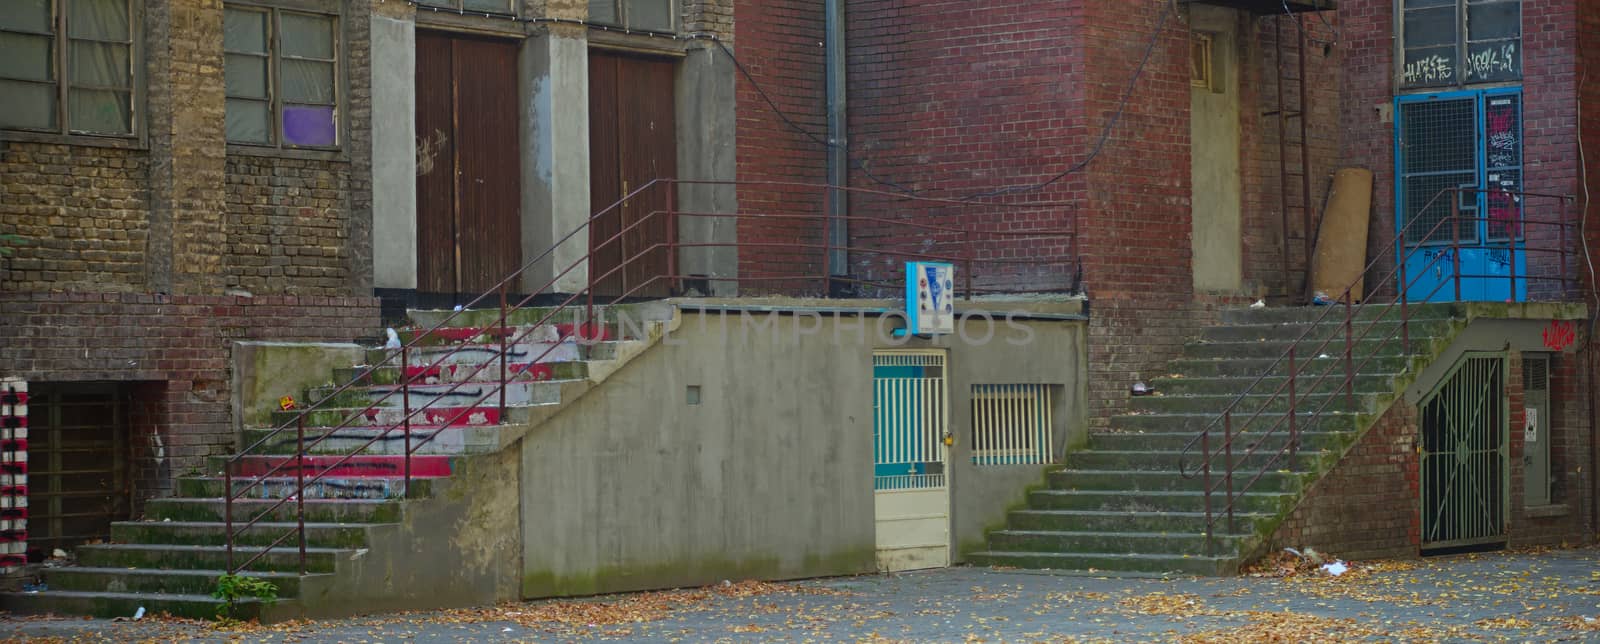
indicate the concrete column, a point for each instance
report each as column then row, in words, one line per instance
column 707, row 152
column 554, row 83
column 394, row 157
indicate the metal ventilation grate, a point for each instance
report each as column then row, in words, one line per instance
column 1536, row 374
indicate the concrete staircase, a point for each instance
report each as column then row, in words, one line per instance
column 1121, row 503
column 358, row 516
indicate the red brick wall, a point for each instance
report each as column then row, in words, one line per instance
column 177, row 349
column 1366, row 507
column 780, row 43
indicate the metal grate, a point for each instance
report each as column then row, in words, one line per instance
column 1536, row 374
column 1438, row 148
column 911, row 411
column 77, row 466
column 1011, row 424
column 1464, row 451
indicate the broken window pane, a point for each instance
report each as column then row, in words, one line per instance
column 307, row 81
column 99, row 111
column 249, row 121
column 98, row 19
column 27, row 15
column 307, row 36
column 309, row 125
column 245, row 31
column 25, row 56
column 100, row 64
column 27, row 105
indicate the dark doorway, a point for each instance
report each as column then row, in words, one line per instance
column 78, row 476
column 469, row 193
column 632, row 141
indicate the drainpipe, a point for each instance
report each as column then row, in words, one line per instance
column 838, row 205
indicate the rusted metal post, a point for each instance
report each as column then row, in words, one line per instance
column 966, row 240
column 227, row 511
column 1349, row 357
column 1455, row 239
column 300, row 486
column 1227, row 461
column 504, row 331
column 405, row 419
column 1305, row 153
column 1205, row 481
column 1294, row 432
column 827, row 243
column 674, row 284
column 1402, row 291
column 1511, row 261
column 1283, row 150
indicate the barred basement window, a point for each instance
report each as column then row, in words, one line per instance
column 282, row 78
column 644, row 15
column 1456, row 42
column 1011, row 424
column 95, row 95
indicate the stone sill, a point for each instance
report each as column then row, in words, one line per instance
column 1546, row 511
column 76, row 140
column 337, row 156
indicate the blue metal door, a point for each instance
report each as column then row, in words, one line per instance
column 1469, row 141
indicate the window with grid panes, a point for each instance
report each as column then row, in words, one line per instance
column 282, row 77
column 647, row 15
column 68, row 66
column 502, row 7
column 1457, row 42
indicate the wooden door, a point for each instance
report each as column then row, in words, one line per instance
column 469, row 192
column 633, row 140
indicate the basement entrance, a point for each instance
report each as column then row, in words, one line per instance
column 911, row 411
column 1464, row 456
column 78, row 476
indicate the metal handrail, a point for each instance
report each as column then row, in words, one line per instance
column 410, row 377
column 1225, row 487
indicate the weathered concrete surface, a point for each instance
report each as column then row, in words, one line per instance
column 706, row 152
column 394, row 158
column 1214, row 156
column 554, row 85
column 266, row 371
column 1494, row 327
column 1521, row 597
column 769, row 476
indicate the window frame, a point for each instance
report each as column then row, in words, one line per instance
column 60, row 58
column 459, row 6
column 1461, row 47
column 274, row 56
column 623, row 22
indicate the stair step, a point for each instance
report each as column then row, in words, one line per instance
column 1110, row 542
column 426, row 440
column 1306, row 314
column 1307, row 383
column 1330, row 421
column 1250, row 403
column 192, row 557
column 146, row 580
column 1108, row 521
column 1282, row 332
column 109, row 604
column 366, row 487
column 207, row 533
column 335, row 466
column 1137, row 480
column 518, row 393
column 1149, row 501
column 1303, row 461
column 1178, row 441
column 552, row 351
column 317, row 510
column 1154, row 563
column 487, row 313
column 437, row 416
column 1253, row 349
column 389, row 375
column 1250, row 367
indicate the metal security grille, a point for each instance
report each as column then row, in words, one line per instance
column 1011, row 424
column 1464, row 456
column 1438, row 142
column 910, row 413
column 77, row 466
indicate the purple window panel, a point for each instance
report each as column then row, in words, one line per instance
column 309, row 125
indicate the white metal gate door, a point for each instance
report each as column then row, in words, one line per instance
column 911, row 411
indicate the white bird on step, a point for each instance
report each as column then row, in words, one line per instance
column 394, row 339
